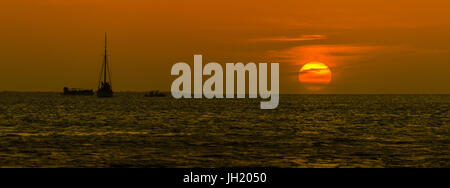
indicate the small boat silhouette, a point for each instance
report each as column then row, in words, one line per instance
column 79, row 92
column 155, row 94
column 105, row 86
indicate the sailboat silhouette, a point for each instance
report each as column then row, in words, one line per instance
column 105, row 86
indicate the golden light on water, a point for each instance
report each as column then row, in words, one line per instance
column 315, row 76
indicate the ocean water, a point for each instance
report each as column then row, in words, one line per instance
column 129, row 130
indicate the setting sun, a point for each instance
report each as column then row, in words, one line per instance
column 314, row 76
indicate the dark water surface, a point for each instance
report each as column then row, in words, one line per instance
column 49, row 130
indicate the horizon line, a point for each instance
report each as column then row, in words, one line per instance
column 305, row 93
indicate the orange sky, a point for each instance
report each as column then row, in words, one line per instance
column 370, row 46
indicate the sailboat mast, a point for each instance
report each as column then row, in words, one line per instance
column 105, row 89
column 106, row 58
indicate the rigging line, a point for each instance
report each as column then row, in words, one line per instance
column 108, row 57
column 100, row 75
column 109, row 71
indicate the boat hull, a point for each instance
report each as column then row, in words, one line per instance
column 105, row 90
